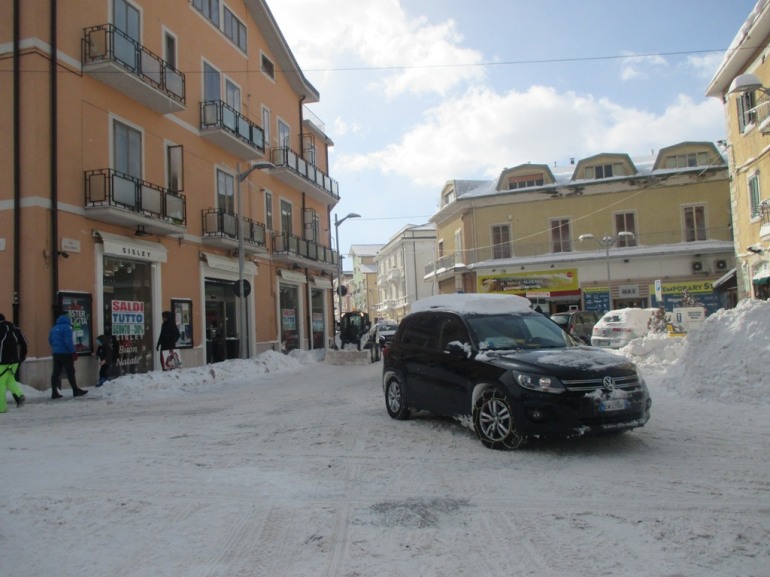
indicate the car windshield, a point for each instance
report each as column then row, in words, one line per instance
column 560, row 319
column 501, row 332
column 387, row 326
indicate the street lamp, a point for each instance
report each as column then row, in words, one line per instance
column 337, row 224
column 607, row 241
column 239, row 178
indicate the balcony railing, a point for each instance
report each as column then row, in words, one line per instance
column 764, row 217
column 291, row 245
column 762, row 113
column 110, row 189
column 303, row 175
column 231, row 129
column 220, row 225
column 120, row 61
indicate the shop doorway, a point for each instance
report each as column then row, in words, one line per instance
column 222, row 339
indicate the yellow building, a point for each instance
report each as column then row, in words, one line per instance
column 563, row 235
column 364, row 293
column 158, row 156
column 742, row 83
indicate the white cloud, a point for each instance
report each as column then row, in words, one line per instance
column 635, row 66
column 705, row 65
column 479, row 133
column 415, row 56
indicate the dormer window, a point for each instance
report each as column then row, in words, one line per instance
column 687, row 160
column 604, row 171
column 525, row 181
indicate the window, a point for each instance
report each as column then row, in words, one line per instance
column 127, row 150
column 234, row 29
column 695, row 223
column 268, row 67
column 284, row 134
column 175, row 168
column 560, row 235
column 127, row 19
column 269, row 210
column 687, row 160
column 449, row 197
column 604, row 171
column 266, row 124
column 209, row 8
column 169, row 49
column 233, row 95
column 754, row 195
column 746, row 114
column 212, row 88
column 525, row 181
column 312, row 224
column 501, row 241
column 225, row 192
column 286, row 224
column 459, row 258
column 626, row 222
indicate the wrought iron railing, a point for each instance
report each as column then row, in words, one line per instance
column 218, row 223
column 106, row 43
column 291, row 244
column 107, row 187
column 218, row 114
column 285, row 157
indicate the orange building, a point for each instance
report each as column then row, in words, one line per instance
column 158, row 156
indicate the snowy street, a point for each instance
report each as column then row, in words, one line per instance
column 292, row 467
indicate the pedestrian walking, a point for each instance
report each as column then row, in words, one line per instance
column 13, row 351
column 64, row 355
column 169, row 335
column 104, row 353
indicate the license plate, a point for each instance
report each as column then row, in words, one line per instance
column 612, row 405
column 601, row 343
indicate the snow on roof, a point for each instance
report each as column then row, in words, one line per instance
column 473, row 303
column 365, row 249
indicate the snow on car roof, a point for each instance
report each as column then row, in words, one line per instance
column 473, row 303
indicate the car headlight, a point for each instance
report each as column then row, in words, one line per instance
column 539, row 383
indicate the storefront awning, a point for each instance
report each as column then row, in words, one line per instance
column 228, row 264
column 290, row 275
column 724, row 279
column 322, row 283
column 762, row 277
column 128, row 247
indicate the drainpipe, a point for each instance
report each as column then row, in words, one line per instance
column 16, row 160
column 54, row 159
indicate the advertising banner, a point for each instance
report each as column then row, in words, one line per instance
column 552, row 281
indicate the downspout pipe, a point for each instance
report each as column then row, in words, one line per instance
column 16, row 160
column 54, row 158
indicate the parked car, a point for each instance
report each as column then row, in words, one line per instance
column 378, row 337
column 619, row 327
column 579, row 324
column 353, row 326
column 490, row 360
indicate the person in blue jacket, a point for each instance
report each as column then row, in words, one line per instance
column 63, row 349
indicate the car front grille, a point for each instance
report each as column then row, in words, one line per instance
column 628, row 383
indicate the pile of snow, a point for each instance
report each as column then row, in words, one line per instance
column 725, row 359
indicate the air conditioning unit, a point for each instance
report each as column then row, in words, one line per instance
column 720, row 264
column 697, row 266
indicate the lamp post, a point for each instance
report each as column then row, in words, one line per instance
column 337, row 224
column 239, row 178
column 607, row 241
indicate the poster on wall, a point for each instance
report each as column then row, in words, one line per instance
column 182, row 311
column 535, row 281
column 596, row 299
column 288, row 319
column 78, row 307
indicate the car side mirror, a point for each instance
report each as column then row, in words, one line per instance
column 457, row 349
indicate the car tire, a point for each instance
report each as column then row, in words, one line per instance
column 372, row 356
column 493, row 421
column 395, row 399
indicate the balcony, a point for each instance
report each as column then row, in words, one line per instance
column 764, row 217
column 231, row 130
column 113, row 58
column 304, row 176
column 118, row 198
column 289, row 248
column 762, row 113
column 220, row 230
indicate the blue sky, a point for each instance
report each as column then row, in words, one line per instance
column 418, row 92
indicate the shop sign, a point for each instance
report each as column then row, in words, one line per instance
column 553, row 281
column 628, row 291
column 127, row 318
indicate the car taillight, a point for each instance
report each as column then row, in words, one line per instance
column 385, row 351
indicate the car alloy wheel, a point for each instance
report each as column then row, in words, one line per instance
column 395, row 400
column 493, row 421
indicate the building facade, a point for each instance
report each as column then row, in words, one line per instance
column 401, row 270
column 363, row 288
column 594, row 235
column 742, row 83
column 161, row 156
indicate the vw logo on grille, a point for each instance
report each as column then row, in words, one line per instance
column 609, row 383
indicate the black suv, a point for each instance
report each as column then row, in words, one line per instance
column 510, row 369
